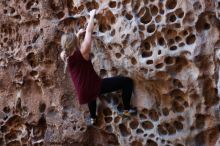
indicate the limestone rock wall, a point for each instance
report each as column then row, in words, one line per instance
column 170, row 48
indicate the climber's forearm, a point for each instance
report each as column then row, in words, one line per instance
column 90, row 26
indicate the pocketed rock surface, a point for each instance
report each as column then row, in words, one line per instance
column 170, row 48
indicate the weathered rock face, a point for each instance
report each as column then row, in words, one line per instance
column 170, row 48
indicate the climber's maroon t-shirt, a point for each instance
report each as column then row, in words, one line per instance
column 86, row 81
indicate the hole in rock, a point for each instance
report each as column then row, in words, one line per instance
column 147, row 125
column 103, row 72
column 165, row 111
column 32, row 60
column 151, row 143
column 6, row 109
column 153, row 115
column 128, row 16
column 154, row 10
column 171, row 129
column 5, row 11
column 104, row 27
column 171, row 33
column 12, row 10
column 133, row 61
column 177, row 25
column 171, row 42
column 147, row 17
column 30, row 3
column 151, row 28
column 206, row 26
column 173, row 48
column 80, row 8
column 171, row 4
column 178, row 125
column 17, row 17
column 5, row 40
column 146, row 45
column 172, row 18
column 161, row 11
column 60, row 15
column 161, row 41
column 125, row 42
column 136, row 143
column 108, row 119
column 186, row 104
column 42, row 107
column 134, row 124
column 107, row 112
column 161, row 130
column 178, row 38
column 135, row 29
column 151, row 135
column 184, row 33
column 117, row 119
column 179, row 13
column 182, row 44
column 142, row 116
column 163, row 141
column 139, row 131
column 28, row 48
column 112, row 4
column 113, row 32
column 4, row 129
column 160, row 65
column 119, row 5
column 122, row 51
column 159, row 52
column 92, row 5
column 200, row 121
column 149, row 62
column 158, row 18
column 190, row 39
column 141, row 27
column 177, row 108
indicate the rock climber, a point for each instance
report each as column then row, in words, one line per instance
column 87, row 83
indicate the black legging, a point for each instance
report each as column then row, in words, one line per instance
column 113, row 84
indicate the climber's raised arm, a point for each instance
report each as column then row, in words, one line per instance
column 86, row 44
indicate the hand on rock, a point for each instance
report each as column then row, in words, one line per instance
column 92, row 13
column 81, row 31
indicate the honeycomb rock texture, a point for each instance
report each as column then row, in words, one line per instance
column 170, row 48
